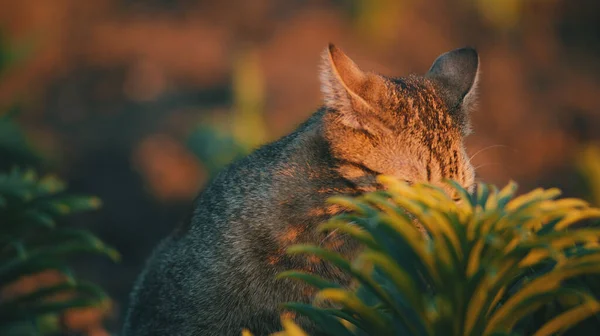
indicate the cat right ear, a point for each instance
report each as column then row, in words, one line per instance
column 457, row 74
column 347, row 89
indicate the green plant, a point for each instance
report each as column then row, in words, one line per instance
column 13, row 142
column 491, row 265
column 221, row 139
column 588, row 164
column 214, row 148
column 31, row 243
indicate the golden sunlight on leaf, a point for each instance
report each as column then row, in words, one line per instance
column 249, row 126
column 473, row 276
column 502, row 14
column 589, row 164
column 379, row 19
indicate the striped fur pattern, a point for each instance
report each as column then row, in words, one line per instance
column 214, row 275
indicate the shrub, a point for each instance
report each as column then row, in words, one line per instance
column 492, row 264
column 32, row 244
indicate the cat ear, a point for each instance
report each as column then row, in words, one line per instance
column 347, row 89
column 456, row 73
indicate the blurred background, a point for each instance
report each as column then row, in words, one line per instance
column 141, row 102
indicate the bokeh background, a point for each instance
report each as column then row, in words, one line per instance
column 141, row 102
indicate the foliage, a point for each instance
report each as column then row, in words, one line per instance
column 376, row 18
column 501, row 14
column 31, row 242
column 13, row 143
column 490, row 264
column 248, row 123
column 589, row 166
column 11, row 53
column 214, row 148
column 217, row 144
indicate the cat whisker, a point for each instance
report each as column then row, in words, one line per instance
column 329, row 235
column 485, row 165
column 486, row 148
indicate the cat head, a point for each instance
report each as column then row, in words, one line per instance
column 410, row 127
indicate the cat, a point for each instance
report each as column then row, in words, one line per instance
column 215, row 275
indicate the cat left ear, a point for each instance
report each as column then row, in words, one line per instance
column 456, row 73
column 347, row 89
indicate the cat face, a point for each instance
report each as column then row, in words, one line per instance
column 410, row 127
